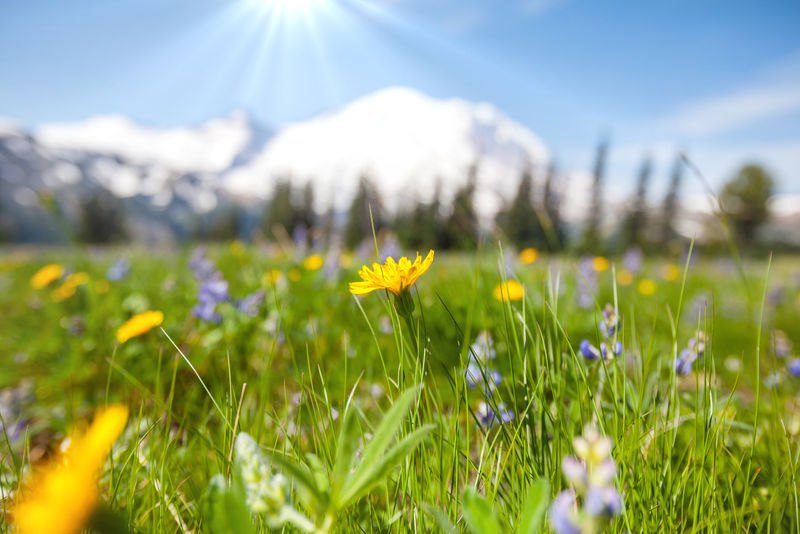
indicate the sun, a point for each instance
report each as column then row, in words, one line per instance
column 293, row 5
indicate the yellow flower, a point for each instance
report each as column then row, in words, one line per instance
column 646, row 287
column 529, row 255
column 272, row 277
column 600, row 264
column 313, row 262
column 139, row 324
column 294, row 274
column 46, row 275
column 624, row 278
column 71, row 283
column 237, row 248
column 394, row 276
column 345, row 261
column 62, row 496
column 511, row 290
column 101, row 286
column 670, row 272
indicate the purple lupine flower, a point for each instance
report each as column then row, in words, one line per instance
column 590, row 352
column 632, row 261
column 489, row 417
column 118, row 270
column 794, row 367
column 684, row 361
column 483, row 347
column 215, row 288
column 776, row 296
column 206, row 310
column 200, row 265
column 586, row 283
column 476, row 376
column 603, row 501
column 563, row 515
column 300, row 239
column 781, row 345
column 251, row 303
column 608, row 326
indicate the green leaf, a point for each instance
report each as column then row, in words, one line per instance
column 226, row 513
column 346, row 447
column 480, row 517
column 377, row 446
column 300, row 474
column 106, row 521
column 386, row 464
column 442, row 521
column 535, row 507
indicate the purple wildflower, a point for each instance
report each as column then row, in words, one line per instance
column 489, row 416
column 794, row 367
column 118, row 270
column 563, row 516
column 251, row 303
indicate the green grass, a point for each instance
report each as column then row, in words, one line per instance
column 716, row 450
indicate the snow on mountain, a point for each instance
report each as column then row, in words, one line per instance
column 213, row 147
column 404, row 141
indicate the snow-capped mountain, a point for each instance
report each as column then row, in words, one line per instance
column 405, row 141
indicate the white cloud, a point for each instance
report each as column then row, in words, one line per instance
column 732, row 111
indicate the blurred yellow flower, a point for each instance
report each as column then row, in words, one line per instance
column 139, row 324
column 71, row 283
column 646, row 287
column 393, row 276
column 272, row 277
column 294, row 274
column 600, row 264
column 345, row 261
column 237, row 248
column 313, row 262
column 62, row 496
column 624, row 278
column 511, row 290
column 670, row 272
column 46, row 275
column 101, row 286
column 529, row 255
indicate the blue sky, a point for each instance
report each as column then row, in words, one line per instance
column 720, row 78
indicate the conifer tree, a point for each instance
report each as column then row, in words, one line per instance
column 591, row 241
column 555, row 231
column 359, row 223
column 671, row 203
column 520, row 222
column 101, row 219
column 280, row 212
column 634, row 225
column 462, row 225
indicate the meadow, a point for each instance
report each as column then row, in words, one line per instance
column 502, row 392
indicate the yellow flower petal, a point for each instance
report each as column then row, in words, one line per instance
column 139, row 324
column 624, row 278
column 313, row 262
column 46, row 275
column 511, row 290
column 600, row 264
column 394, row 276
column 529, row 255
column 62, row 496
column 647, row 287
column 670, row 272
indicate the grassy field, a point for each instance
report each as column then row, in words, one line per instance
column 370, row 414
